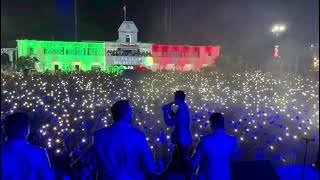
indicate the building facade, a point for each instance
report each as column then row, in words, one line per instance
column 183, row 57
column 125, row 53
column 10, row 55
column 64, row 56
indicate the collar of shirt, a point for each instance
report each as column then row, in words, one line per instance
column 218, row 131
column 122, row 124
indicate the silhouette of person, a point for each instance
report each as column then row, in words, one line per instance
column 19, row 159
column 214, row 152
column 122, row 151
column 181, row 135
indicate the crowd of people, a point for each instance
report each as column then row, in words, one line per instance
column 267, row 115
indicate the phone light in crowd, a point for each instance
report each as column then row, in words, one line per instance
column 58, row 151
column 284, row 114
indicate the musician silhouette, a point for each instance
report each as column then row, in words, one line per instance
column 122, row 151
column 19, row 159
column 181, row 135
column 214, row 152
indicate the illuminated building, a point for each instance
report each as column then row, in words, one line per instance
column 66, row 56
column 125, row 53
column 11, row 54
column 183, row 57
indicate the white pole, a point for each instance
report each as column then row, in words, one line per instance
column 75, row 21
column 125, row 12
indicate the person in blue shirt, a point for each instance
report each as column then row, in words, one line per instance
column 214, row 152
column 19, row 159
column 181, row 134
column 122, row 151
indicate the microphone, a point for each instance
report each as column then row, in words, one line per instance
column 170, row 104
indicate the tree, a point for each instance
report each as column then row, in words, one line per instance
column 26, row 63
column 231, row 63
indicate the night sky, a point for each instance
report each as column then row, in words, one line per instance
column 239, row 26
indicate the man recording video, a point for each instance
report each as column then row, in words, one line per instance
column 181, row 135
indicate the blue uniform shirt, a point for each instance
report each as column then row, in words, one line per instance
column 122, row 153
column 20, row 160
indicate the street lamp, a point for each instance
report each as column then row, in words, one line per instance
column 277, row 29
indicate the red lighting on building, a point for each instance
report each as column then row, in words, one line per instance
column 184, row 57
column 186, row 48
column 155, row 48
column 140, row 68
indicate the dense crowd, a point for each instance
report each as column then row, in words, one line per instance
column 269, row 115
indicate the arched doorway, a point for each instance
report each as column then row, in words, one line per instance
column 187, row 67
column 170, row 67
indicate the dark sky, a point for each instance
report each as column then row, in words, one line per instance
column 240, row 26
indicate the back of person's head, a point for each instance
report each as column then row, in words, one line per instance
column 217, row 121
column 16, row 126
column 179, row 95
column 120, row 110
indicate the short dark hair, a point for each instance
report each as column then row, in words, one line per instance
column 119, row 109
column 16, row 125
column 217, row 120
column 180, row 94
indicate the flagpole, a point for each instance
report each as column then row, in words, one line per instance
column 125, row 13
column 75, row 21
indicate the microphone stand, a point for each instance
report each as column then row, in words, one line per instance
column 305, row 156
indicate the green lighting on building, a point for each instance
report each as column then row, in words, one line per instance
column 148, row 61
column 66, row 56
column 115, row 69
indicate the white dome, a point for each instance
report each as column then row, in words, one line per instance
column 128, row 27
